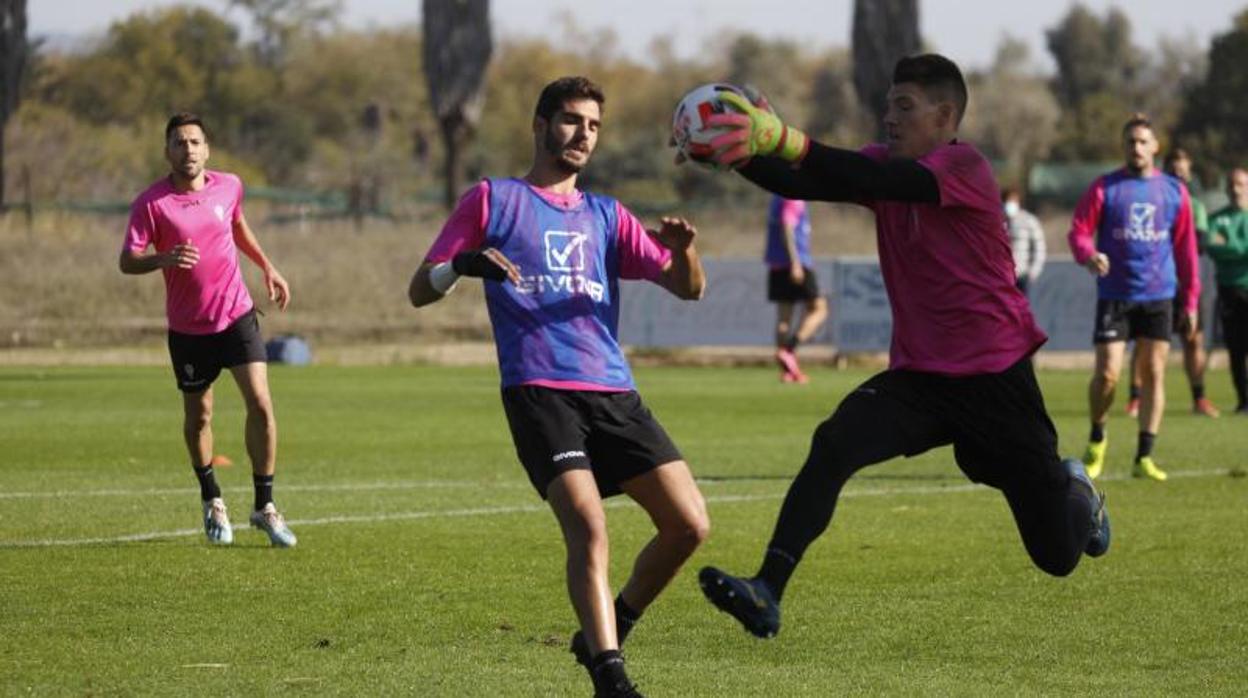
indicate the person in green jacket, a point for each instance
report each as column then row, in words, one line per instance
column 1227, row 245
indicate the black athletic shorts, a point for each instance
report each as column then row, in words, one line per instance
column 199, row 358
column 997, row 423
column 611, row 434
column 1118, row 321
column 781, row 289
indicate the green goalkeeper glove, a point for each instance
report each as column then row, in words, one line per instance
column 756, row 130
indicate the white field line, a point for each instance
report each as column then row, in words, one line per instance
column 529, row 508
column 339, row 487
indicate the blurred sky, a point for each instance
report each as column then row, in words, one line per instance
column 966, row 30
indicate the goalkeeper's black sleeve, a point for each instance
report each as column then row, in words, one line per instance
column 836, row 174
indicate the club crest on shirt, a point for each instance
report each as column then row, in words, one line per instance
column 565, row 250
column 1142, row 216
column 565, row 267
column 1141, row 224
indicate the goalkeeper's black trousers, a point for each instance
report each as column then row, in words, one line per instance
column 1001, row 436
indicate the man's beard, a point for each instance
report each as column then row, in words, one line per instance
column 1140, row 168
column 555, row 148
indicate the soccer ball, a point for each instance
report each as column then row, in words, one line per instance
column 689, row 132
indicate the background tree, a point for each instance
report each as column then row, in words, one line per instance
column 148, row 65
column 337, row 110
column 1177, row 66
column 884, row 31
column 1012, row 115
column 1214, row 123
column 106, row 106
column 1096, row 83
column 835, row 114
column 1093, row 55
column 457, row 49
column 362, row 139
column 280, row 22
column 13, row 54
column 761, row 63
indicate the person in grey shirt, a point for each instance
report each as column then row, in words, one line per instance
column 1026, row 239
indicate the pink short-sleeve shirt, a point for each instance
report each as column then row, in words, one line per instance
column 210, row 296
column 949, row 272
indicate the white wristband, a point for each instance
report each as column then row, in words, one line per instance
column 442, row 278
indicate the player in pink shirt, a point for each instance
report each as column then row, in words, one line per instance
column 551, row 257
column 959, row 367
column 192, row 221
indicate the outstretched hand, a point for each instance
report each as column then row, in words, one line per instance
column 676, row 234
column 756, row 98
column 753, row 130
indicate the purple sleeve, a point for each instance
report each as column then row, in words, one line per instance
column 640, row 256
column 964, row 177
column 141, row 230
column 465, row 229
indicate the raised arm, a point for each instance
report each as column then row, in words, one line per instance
column 432, row 281
column 459, row 250
column 683, row 275
column 836, row 174
column 135, row 256
column 783, row 160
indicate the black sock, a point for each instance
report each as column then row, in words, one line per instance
column 607, row 669
column 264, row 490
column 1198, row 391
column 1098, row 433
column 625, row 619
column 777, row 567
column 1145, row 446
column 1135, row 392
column 208, row 488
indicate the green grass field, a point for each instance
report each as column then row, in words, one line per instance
column 427, row 566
